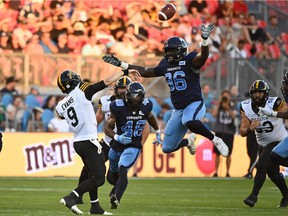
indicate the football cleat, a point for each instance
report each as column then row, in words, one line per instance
column 250, row 200
column 114, row 201
column 69, row 202
column 97, row 209
column 283, row 203
column 221, row 146
column 191, row 143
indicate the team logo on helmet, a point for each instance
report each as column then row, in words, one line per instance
column 67, row 81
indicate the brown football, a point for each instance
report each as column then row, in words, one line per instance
column 167, row 12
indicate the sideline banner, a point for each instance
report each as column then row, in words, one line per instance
column 52, row 154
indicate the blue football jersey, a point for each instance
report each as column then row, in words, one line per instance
column 183, row 80
column 130, row 121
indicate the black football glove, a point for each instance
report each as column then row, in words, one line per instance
column 206, row 30
column 1, row 142
column 111, row 59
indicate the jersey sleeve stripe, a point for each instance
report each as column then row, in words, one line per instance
column 280, row 106
column 84, row 86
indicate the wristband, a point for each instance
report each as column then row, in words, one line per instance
column 274, row 114
column 124, row 65
column 126, row 72
column 115, row 137
column 157, row 131
column 205, row 42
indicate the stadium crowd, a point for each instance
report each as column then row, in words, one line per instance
column 93, row 28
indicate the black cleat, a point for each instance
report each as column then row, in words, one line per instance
column 250, row 200
column 248, row 175
column 97, row 209
column 69, row 202
column 114, row 201
column 283, row 203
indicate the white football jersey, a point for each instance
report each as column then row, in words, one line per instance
column 105, row 107
column 271, row 129
column 79, row 114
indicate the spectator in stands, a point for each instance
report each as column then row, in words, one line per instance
column 195, row 40
column 15, row 113
column 48, row 112
column 59, row 125
column 256, row 33
column 79, row 12
column 33, row 46
column 264, row 53
column 35, row 8
column 273, row 30
column 208, row 99
column 198, row 8
column 62, row 44
column 240, row 7
column 15, row 44
column 239, row 30
column 61, row 25
column 93, row 47
column 116, row 23
column 225, row 113
column 23, row 33
column 239, row 51
column 184, row 28
column 68, row 8
column 33, row 99
column 226, row 32
column 47, row 44
column 35, row 123
column 5, row 46
column 10, row 86
column 153, row 49
column 129, row 44
column 225, row 9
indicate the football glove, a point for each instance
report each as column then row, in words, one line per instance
column 265, row 111
column 123, row 138
column 158, row 140
column 111, row 59
column 206, row 30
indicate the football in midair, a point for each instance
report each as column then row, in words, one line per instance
column 167, row 12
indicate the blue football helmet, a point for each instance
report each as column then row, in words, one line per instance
column 175, row 48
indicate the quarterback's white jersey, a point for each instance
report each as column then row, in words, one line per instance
column 79, row 114
column 271, row 129
column 105, row 107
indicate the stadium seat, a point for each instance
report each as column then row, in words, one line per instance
column 275, row 51
column 261, row 23
column 284, row 37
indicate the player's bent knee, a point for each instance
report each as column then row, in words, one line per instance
column 111, row 177
column 167, row 150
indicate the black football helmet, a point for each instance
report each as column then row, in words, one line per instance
column 135, row 94
column 122, row 82
column 67, row 81
column 175, row 48
column 260, row 86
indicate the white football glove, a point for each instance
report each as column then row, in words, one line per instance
column 265, row 111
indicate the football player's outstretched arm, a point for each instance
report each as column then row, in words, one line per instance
column 109, row 126
column 144, row 71
column 145, row 133
column 201, row 57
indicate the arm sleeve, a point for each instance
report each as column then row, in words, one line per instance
column 91, row 89
column 278, row 104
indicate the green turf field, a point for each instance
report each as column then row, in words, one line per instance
column 147, row 197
